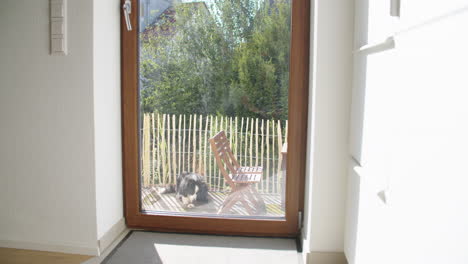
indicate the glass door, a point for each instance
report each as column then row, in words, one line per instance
column 208, row 93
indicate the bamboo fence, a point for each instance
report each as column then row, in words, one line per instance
column 172, row 144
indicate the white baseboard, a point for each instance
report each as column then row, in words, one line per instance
column 108, row 250
column 111, row 235
column 101, row 245
column 316, row 257
column 53, row 247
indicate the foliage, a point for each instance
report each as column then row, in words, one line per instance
column 229, row 58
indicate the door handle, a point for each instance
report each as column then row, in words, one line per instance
column 127, row 9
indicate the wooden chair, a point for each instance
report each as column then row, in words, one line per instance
column 242, row 180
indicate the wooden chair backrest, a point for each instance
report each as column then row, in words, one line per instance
column 224, row 156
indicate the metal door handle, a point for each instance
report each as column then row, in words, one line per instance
column 127, row 9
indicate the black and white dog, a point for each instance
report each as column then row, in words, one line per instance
column 190, row 187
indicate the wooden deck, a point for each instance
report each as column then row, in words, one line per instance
column 153, row 201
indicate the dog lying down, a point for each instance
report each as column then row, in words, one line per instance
column 190, row 187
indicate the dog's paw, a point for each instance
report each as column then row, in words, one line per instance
column 190, row 206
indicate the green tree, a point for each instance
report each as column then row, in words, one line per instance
column 229, row 58
column 263, row 64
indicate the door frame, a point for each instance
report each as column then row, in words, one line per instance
column 297, row 139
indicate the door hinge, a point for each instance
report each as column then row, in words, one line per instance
column 395, row 8
column 299, row 220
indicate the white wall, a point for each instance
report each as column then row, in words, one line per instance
column 330, row 86
column 47, row 192
column 60, row 155
column 107, row 122
column 412, row 137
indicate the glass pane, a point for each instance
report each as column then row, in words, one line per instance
column 214, row 79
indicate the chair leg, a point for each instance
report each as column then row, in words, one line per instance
column 259, row 206
column 247, row 207
column 256, row 194
column 258, row 200
column 227, row 207
column 230, row 201
column 246, row 198
column 243, row 194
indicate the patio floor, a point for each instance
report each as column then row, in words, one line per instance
column 153, row 201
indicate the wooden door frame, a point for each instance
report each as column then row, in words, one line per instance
column 297, row 141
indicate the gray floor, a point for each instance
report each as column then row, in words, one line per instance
column 154, row 248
